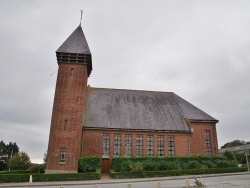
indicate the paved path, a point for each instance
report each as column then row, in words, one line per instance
column 238, row 180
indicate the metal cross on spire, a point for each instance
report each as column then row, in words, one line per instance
column 81, row 16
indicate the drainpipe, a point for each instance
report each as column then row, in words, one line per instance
column 189, row 143
column 191, row 130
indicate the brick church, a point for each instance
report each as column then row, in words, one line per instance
column 113, row 122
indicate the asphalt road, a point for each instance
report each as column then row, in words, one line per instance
column 240, row 180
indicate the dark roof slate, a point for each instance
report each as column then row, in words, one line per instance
column 75, row 43
column 138, row 110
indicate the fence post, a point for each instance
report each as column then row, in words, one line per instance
column 31, row 179
column 187, row 183
column 158, row 185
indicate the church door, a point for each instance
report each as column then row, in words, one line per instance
column 105, row 165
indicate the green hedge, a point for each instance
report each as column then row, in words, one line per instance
column 15, row 172
column 147, row 174
column 67, row 177
column 6, row 178
column 89, row 163
column 151, row 163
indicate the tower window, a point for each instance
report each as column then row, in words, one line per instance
column 65, row 124
column 62, row 156
column 71, row 72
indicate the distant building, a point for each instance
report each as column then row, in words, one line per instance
column 113, row 122
column 240, row 148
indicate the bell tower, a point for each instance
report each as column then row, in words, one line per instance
column 74, row 67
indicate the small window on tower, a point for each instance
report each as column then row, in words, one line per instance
column 65, row 124
column 71, row 72
column 62, row 156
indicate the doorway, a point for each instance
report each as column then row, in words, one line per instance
column 105, row 165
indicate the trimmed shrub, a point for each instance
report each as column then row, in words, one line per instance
column 6, row 178
column 89, row 163
column 67, row 177
column 225, row 164
column 209, row 164
column 169, row 165
column 193, row 164
column 146, row 174
column 136, row 167
column 14, row 172
column 152, row 163
column 150, row 166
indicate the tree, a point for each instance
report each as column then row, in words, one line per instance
column 6, row 151
column 234, row 143
column 20, row 161
column 45, row 158
column 229, row 155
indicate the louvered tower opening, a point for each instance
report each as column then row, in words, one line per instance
column 75, row 58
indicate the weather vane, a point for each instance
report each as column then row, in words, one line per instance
column 81, row 16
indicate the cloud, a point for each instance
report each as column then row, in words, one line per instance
column 197, row 49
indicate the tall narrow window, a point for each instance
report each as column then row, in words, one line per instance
column 160, row 145
column 150, row 145
column 208, row 142
column 117, row 144
column 139, row 144
column 65, row 124
column 128, row 144
column 105, row 144
column 62, row 156
column 71, row 72
column 171, row 148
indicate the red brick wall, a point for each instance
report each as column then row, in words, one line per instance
column 68, row 105
column 92, row 142
column 197, row 138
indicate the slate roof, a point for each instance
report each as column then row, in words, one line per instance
column 75, row 49
column 75, row 43
column 139, row 110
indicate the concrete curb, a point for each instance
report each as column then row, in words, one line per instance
column 113, row 181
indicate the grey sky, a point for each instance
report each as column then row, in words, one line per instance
column 197, row 49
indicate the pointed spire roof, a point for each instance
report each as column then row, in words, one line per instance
column 75, row 49
column 75, row 43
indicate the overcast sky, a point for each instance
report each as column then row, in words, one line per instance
column 196, row 49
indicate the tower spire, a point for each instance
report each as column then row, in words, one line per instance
column 75, row 49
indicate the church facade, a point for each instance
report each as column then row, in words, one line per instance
column 113, row 122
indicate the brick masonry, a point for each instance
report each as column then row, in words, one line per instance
column 185, row 143
column 68, row 106
column 197, row 138
column 92, row 141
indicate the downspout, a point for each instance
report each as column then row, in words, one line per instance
column 189, row 143
column 190, row 131
column 215, row 140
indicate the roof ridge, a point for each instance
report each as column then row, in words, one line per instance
column 132, row 90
